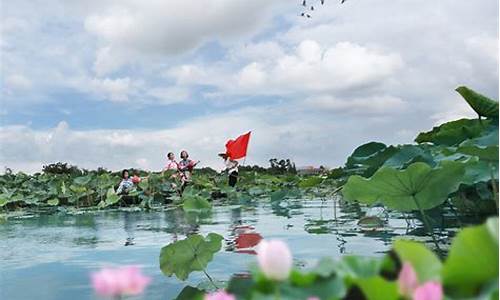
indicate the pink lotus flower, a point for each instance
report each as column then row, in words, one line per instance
column 313, row 298
column 219, row 295
column 407, row 280
column 275, row 259
column 127, row 280
column 430, row 290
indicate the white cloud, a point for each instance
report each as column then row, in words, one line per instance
column 169, row 95
column 18, row 82
column 383, row 105
column 169, row 27
column 308, row 67
column 307, row 140
column 114, row 89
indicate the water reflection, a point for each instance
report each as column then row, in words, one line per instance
column 69, row 246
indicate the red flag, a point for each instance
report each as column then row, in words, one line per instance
column 237, row 148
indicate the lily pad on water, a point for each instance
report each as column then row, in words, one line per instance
column 401, row 189
column 371, row 222
column 188, row 255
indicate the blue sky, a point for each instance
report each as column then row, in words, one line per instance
column 120, row 83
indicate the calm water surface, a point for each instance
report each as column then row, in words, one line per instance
column 51, row 256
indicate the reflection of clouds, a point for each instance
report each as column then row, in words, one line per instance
column 91, row 240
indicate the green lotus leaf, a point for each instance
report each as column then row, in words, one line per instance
column 482, row 105
column 370, row 154
column 82, row 180
column 3, row 200
column 188, row 255
column 408, row 154
column 195, row 203
column 403, row 189
column 426, row 264
column 473, row 259
column 488, row 153
column 378, row 288
column 53, row 202
column 112, row 197
column 310, row 182
column 279, row 195
column 477, row 170
column 454, row 132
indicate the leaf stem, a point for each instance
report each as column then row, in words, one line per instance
column 427, row 225
column 494, row 187
column 199, row 263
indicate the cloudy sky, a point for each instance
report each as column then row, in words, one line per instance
column 118, row 83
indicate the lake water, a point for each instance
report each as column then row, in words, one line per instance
column 51, row 256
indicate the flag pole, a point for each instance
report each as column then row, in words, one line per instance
column 245, row 159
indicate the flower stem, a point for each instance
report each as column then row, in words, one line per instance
column 427, row 225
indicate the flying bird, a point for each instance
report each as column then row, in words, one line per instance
column 312, row 7
column 322, row 2
column 343, row 1
column 304, row 3
column 308, row 15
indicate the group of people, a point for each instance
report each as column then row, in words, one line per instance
column 181, row 171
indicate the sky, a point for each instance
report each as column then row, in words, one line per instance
column 119, row 83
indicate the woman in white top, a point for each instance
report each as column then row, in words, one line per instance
column 171, row 163
column 126, row 184
column 231, row 168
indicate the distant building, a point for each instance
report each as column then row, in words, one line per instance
column 311, row 170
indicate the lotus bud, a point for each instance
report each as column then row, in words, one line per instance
column 219, row 295
column 430, row 290
column 115, row 282
column 407, row 280
column 275, row 259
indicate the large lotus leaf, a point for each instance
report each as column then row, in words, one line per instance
column 489, row 137
column 473, row 259
column 378, row 288
column 401, row 189
column 368, row 149
column 363, row 152
column 144, row 184
column 454, row 132
column 477, row 170
column 77, row 189
column 354, row 267
column 426, row 264
column 190, row 293
column 112, row 197
column 408, row 154
column 329, row 288
column 82, row 180
column 310, row 182
column 53, row 202
column 488, row 153
column 482, row 105
column 195, row 203
column 367, row 158
column 4, row 200
column 188, row 255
